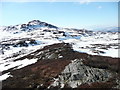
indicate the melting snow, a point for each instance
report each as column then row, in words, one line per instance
column 5, row 76
column 80, row 43
column 18, row 64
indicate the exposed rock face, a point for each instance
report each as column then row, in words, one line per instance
column 76, row 73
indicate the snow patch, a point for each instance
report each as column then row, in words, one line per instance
column 5, row 76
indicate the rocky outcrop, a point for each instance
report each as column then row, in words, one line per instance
column 76, row 73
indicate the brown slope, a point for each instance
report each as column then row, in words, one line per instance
column 43, row 72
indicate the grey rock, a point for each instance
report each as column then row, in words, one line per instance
column 76, row 73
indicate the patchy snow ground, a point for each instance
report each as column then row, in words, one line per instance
column 85, row 42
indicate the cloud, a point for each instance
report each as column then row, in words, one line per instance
column 15, row 1
column 52, row 0
column 85, row 1
column 99, row 7
column 81, row 1
column 88, row 1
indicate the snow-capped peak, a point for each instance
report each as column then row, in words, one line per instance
column 31, row 25
column 34, row 22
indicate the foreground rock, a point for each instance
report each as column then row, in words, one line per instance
column 76, row 73
column 58, row 66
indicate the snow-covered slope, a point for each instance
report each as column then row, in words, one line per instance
column 20, row 40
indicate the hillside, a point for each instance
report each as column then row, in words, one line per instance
column 41, row 55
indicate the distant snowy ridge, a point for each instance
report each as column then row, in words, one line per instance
column 107, row 29
column 35, row 24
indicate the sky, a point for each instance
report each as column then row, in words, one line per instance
column 62, row 14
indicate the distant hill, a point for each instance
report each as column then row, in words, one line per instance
column 108, row 29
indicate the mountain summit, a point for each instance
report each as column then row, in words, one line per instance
column 41, row 24
column 31, row 25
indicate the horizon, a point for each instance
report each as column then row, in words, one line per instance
column 61, row 14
